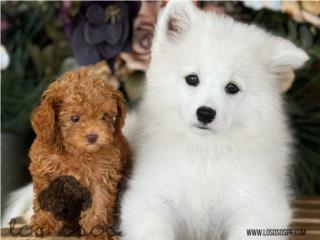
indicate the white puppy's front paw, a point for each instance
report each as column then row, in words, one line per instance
column 139, row 222
column 148, row 236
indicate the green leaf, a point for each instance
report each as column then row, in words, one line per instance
column 36, row 57
column 53, row 32
column 293, row 33
column 314, row 50
column 306, row 36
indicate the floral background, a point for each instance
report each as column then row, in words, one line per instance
column 41, row 40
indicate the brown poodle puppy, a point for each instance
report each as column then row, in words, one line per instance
column 78, row 127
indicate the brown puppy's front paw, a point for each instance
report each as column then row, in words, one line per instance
column 93, row 227
column 45, row 225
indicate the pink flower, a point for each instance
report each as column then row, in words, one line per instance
column 3, row 25
column 143, row 30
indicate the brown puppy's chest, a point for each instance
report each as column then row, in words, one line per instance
column 90, row 170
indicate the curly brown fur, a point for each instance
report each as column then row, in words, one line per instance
column 63, row 148
column 66, row 199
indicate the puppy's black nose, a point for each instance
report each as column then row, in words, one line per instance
column 92, row 138
column 205, row 114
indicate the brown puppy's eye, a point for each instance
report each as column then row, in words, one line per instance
column 114, row 119
column 105, row 117
column 75, row 118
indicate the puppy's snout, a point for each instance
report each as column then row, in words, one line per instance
column 92, row 138
column 205, row 114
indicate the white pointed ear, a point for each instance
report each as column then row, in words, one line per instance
column 284, row 55
column 282, row 58
column 176, row 19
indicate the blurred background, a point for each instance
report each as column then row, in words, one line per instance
column 41, row 40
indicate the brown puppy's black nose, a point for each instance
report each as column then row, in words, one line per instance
column 92, row 138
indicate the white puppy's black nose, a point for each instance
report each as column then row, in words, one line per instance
column 205, row 114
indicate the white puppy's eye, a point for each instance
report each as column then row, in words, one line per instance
column 231, row 88
column 192, row 79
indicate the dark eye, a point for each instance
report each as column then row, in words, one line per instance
column 231, row 88
column 105, row 117
column 75, row 118
column 192, row 80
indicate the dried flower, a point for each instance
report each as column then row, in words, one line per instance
column 102, row 30
column 303, row 11
column 144, row 25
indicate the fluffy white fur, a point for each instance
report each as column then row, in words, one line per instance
column 190, row 183
column 19, row 204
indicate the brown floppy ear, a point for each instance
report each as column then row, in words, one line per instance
column 119, row 121
column 43, row 119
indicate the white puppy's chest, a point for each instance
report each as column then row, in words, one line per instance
column 201, row 204
column 200, row 192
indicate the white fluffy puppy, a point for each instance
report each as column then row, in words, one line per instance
column 212, row 142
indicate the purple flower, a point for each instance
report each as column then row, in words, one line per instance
column 65, row 18
column 102, row 30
